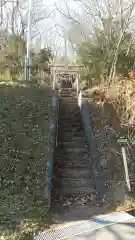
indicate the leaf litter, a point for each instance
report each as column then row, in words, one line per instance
column 24, row 134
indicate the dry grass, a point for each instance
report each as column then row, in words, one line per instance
column 122, row 97
column 127, row 204
column 117, row 104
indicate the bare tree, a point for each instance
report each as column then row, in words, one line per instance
column 16, row 14
column 114, row 17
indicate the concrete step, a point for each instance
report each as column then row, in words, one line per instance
column 73, row 158
column 69, row 163
column 74, row 173
column 70, row 100
column 71, row 149
column 75, row 191
column 75, row 161
column 76, row 133
column 69, row 103
column 70, row 121
column 70, row 118
column 73, row 140
column 70, row 124
column 69, row 115
column 70, row 129
column 73, row 182
column 74, row 151
column 65, row 97
column 70, row 135
column 68, row 91
column 72, row 144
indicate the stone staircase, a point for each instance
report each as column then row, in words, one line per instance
column 73, row 174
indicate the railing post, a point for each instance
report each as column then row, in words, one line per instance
column 54, row 79
column 123, row 143
column 80, row 99
column 126, row 167
column 77, row 83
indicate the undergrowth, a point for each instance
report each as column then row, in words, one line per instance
column 117, row 104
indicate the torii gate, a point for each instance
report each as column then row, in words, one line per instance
column 69, row 73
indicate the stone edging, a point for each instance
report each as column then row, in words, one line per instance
column 52, row 146
column 92, row 148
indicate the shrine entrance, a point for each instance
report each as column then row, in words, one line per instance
column 65, row 77
column 66, row 80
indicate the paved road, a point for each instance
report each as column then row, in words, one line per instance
column 114, row 226
column 120, row 231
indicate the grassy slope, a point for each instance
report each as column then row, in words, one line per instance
column 24, row 129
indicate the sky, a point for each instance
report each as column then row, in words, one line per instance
column 57, row 24
column 49, row 30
